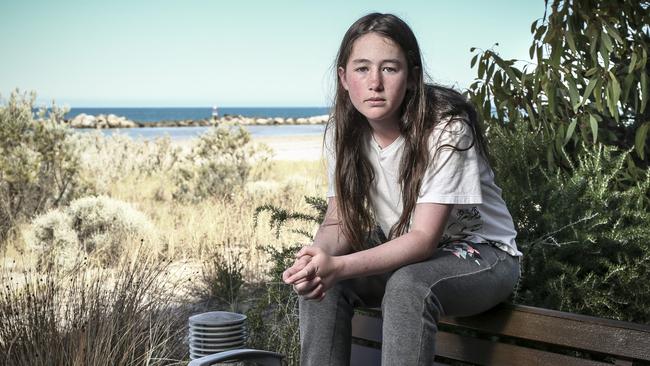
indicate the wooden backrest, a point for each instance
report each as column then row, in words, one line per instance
column 519, row 335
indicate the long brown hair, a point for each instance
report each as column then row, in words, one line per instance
column 424, row 105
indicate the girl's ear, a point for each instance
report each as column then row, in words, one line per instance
column 341, row 72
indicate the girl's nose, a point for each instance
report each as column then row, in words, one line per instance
column 375, row 82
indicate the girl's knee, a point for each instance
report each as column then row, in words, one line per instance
column 405, row 283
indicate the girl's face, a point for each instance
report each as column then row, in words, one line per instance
column 375, row 77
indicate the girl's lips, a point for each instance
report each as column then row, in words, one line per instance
column 376, row 101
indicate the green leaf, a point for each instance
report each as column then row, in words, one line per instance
column 472, row 49
column 612, row 32
column 471, row 65
column 531, row 51
column 533, row 26
column 530, row 113
column 598, row 95
column 591, row 71
column 571, row 42
column 607, row 42
column 616, row 87
column 632, row 63
column 569, row 131
column 594, row 127
column 640, row 138
column 593, row 45
column 481, row 68
column 627, row 85
column 490, row 71
column 588, row 90
column 540, row 31
column 573, row 94
column 604, row 53
column 556, row 54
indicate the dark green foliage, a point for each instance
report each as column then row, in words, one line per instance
column 568, row 137
column 586, row 244
column 273, row 320
column 279, row 216
column 589, row 82
column 39, row 167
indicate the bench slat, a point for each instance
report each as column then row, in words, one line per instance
column 560, row 328
column 482, row 352
column 365, row 356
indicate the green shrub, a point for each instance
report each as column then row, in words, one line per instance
column 39, row 168
column 273, row 320
column 97, row 226
column 220, row 161
column 586, row 240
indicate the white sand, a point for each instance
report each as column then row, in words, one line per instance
column 297, row 147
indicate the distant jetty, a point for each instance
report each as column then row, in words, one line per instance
column 112, row 121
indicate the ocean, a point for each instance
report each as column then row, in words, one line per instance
column 183, row 133
column 170, row 114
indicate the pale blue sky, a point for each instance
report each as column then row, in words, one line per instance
column 229, row 53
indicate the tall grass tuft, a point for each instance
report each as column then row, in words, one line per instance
column 92, row 317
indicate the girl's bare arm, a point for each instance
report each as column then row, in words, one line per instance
column 329, row 236
column 417, row 245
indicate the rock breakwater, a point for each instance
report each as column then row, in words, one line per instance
column 112, row 121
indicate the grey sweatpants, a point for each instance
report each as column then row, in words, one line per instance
column 460, row 279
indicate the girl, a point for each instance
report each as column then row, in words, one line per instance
column 414, row 221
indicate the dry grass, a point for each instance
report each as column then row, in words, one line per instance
column 155, row 280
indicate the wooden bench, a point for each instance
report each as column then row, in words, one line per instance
column 519, row 336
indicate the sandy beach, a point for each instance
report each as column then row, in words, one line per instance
column 295, row 147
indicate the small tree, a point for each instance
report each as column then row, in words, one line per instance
column 39, row 167
column 589, row 83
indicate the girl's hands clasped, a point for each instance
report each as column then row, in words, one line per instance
column 313, row 273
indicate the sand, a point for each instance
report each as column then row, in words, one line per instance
column 296, row 147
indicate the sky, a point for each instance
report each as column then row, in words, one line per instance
column 197, row 53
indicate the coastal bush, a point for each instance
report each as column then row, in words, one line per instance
column 273, row 319
column 98, row 226
column 220, row 161
column 39, row 168
column 130, row 316
column 107, row 159
column 586, row 241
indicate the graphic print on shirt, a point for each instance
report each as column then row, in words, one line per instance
column 455, row 239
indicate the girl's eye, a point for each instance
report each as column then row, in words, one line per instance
column 361, row 69
column 389, row 69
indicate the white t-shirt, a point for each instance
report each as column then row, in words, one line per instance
column 461, row 178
